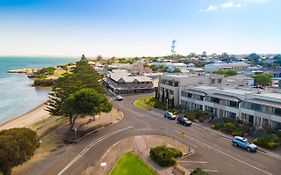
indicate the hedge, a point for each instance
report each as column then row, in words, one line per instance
column 165, row 156
column 270, row 141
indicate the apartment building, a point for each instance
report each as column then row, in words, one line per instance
column 254, row 106
column 122, row 82
column 170, row 85
column 237, row 66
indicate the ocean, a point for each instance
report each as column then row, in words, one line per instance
column 17, row 96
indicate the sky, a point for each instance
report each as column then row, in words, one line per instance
column 125, row 28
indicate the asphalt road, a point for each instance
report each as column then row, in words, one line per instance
column 214, row 153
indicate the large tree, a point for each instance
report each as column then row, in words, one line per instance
column 85, row 102
column 263, row 79
column 17, row 145
column 83, row 76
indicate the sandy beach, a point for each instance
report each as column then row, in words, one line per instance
column 27, row 119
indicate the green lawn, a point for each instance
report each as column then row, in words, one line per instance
column 130, row 164
column 140, row 103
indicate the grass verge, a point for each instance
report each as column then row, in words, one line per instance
column 131, row 164
column 140, row 103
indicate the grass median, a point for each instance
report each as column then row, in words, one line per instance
column 131, row 164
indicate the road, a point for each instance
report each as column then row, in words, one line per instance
column 214, row 153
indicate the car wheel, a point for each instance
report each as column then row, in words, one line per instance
column 248, row 149
column 235, row 144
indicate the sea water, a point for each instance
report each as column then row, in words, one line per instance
column 17, row 96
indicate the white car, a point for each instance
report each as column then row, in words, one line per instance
column 119, row 98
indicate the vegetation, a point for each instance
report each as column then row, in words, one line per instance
column 270, row 141
column 226, row 73
column 177, row 70
column 253, row 58
column 140, row 103
column 43, row 82
column 46, row 71
column 263, row 79
column 17, row 145
column 165, row 156
column 85, row 102
column 198, row 171
column 153, row 102
column 131, row 164
column 83, row 76
column 233, row 127
column 198, row 115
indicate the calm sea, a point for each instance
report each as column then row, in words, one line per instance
column 17, row 96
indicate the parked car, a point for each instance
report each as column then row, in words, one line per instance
column 184, row 121
column 243, row 143
column 169, row 115
column 119, row 98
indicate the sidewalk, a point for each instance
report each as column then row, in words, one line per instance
column 139, row 145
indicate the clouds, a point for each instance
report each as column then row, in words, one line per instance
column 230, row 5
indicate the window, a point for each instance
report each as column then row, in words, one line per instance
column 233, row 104
column 219, row 81
column 213, row 81
column 176, row 84
column 256, row 107
column 201, row 98
column 215, row 100
column 189, row 95
column 278, row 111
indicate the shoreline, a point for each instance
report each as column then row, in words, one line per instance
column 27, row 119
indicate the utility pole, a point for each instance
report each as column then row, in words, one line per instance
column 167, row 100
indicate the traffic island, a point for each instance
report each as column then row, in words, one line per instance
column 139, row 145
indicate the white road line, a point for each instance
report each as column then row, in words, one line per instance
column 213, row 171
column 241, row 161
column 190, row 161
column 90, row 146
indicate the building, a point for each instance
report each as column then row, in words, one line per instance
column 121, row 82
column 237, row 66
column 240, row 80
column 170, row 85
column 254, row 106
column 171, row 66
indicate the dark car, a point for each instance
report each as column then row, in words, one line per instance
column 184, row 121
column 169, row 115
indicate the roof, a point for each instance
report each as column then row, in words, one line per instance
column 225, row 97
column 265, row 102
column 116, row 76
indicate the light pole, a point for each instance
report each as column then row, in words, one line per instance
column 167, row 100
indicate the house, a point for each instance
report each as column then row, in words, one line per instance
column 237, row 66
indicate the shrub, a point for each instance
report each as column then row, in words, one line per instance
column 229, row 127
column 43, row 82
column 165, row 156
column 237, row 132
column 198, row 171
column 269, row 141
column 198, row 115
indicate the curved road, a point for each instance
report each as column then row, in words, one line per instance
column 213, row 152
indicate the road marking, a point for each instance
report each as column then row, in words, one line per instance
column 241, row 161
column 89, row 147
column 213, row 171
column 193, row 145
column 190, row 161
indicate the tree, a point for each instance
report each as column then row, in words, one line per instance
column 85, row 102
column 253, row 58
column 263, row 79
column 99, row 58
column 83, row 76
column 17, row 145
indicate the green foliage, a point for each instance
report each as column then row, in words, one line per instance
column 226, row 73
column 165, row 156
column 86, row 102
column 43, row 82
column 253, row 58
column 270, row 141
column 17, row 145
column 198, row 171
column 198, row 115
column 177, row 70
column 231, row 126
column 46, row 71
column 263, row 79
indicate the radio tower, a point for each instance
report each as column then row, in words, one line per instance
column 173, row 47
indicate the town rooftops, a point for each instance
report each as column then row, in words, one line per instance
column 123, row 75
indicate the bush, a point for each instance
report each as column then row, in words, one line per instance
column 198, row 115
column 43, row 82
column 269, row 141
column 198, row 171
column 237, row 132
column 165, row 156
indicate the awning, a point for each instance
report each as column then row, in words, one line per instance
column 265, row 102
column 225, row 97
column 195, row 92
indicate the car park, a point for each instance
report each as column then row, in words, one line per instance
column 169, row 115
column 243, row 143
column 119, row 98
column 184, row 121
